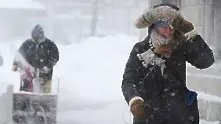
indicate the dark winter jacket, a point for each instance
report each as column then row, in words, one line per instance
column 39, row 55
column 165, row 95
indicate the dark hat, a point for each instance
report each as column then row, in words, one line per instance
column 37, row 32
column 167, row 4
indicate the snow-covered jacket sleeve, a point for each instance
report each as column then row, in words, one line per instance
column 25, row 52
column 131, row 76
column 198, row 52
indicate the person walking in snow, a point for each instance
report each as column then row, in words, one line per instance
column 154, row 79
column 40, row 53
column 1, row 61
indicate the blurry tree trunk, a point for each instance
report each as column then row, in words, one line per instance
column 129, row 20
column 217, row 28
column 94, row 20
column 143, row 8
column 50, row 23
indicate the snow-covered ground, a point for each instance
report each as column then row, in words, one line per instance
column 90, row 76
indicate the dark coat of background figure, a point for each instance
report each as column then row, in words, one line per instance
column 40, row 54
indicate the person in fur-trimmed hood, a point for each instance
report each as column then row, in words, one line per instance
column 154, row 79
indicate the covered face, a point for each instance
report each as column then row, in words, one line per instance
column 161, row 34
column 164, row 29
column 37, row 33
column 159, row 21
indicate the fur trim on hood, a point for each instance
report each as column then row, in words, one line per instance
column 164, row 13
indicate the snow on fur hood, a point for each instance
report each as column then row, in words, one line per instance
column 160, row 13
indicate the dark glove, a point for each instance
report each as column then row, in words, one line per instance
column 14, row 68
column 46, row 70
column 182, row 25
column 137, row 109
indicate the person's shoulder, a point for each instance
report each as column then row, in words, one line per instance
column 142, row 46
column 47, row 40
column 28, row 41
column 50, row 43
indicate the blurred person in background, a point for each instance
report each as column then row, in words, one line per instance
column 1, row 60
column 36, row 53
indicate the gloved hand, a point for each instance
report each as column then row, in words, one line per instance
column 14, row 68
column 182, row 25
column 137, row 109
column 46, row 70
